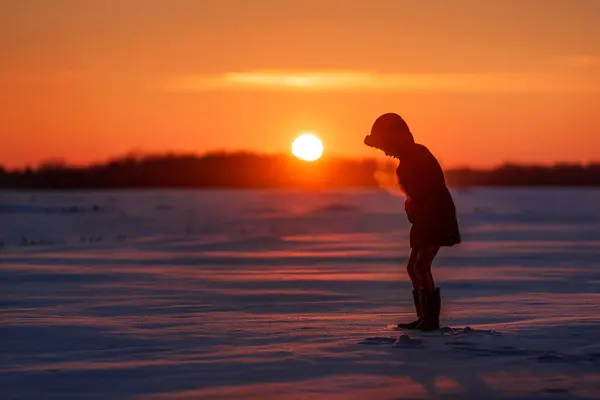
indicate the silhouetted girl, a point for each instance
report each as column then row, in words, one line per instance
column 429, row 208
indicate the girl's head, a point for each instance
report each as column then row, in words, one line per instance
column 391, row 135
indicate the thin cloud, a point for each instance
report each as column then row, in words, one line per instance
column 364, row 81
column 582, row 61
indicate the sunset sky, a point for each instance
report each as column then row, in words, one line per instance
column 479, row 82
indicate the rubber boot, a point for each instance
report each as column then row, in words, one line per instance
column 432, row 303
column 418, row 308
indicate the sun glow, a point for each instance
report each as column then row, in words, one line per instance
column 307, row 147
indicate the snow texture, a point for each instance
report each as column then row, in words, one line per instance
column 289, row 295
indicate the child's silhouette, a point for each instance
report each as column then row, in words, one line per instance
column 429, row 207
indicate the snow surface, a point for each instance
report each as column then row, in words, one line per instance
column 289, row 294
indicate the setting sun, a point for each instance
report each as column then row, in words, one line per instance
column 307, row 147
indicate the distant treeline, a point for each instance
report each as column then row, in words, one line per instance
column 527, row 175
column 249, row 170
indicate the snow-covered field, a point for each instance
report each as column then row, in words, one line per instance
column 288, row 295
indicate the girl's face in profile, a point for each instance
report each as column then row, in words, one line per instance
column 392, row 145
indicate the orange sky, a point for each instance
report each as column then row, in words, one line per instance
column 479, row 82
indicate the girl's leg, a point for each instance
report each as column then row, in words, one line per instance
column 411, row 268
column 423, row 267
column 430, row 300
